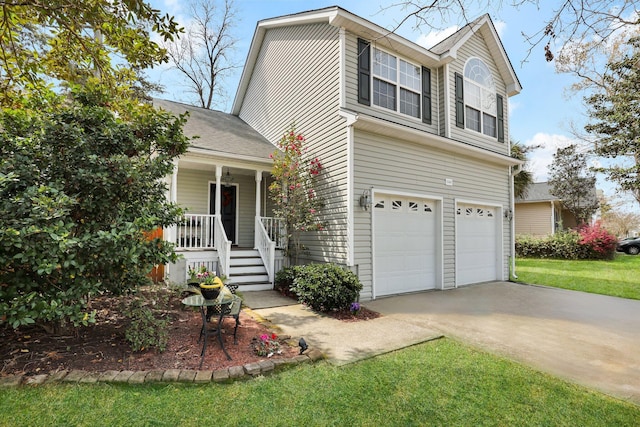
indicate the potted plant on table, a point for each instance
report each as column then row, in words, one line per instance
column 206, row 281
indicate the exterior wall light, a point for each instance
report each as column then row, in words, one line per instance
column 365, row 200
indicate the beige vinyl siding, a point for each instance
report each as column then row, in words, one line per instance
column 442, row 118
column 393, row 165
column 533, row 218
column 193, row 196
column 476, row 47
column 297, row 79
column 193, row 190
column 351, row 88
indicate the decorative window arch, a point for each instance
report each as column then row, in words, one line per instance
column 478, row 106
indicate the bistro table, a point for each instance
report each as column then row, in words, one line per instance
column 221, row 305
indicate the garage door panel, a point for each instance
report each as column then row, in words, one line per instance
column 405, row 245
column 476, row 244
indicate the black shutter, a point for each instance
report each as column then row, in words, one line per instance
column 426, row 95
column 459, row 100
column 364, row 72
column 500, row 105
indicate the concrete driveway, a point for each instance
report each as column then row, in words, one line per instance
column 589, row 339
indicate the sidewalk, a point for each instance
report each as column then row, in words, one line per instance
column 341, row 342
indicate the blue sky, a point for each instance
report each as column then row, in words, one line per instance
column 541, row 114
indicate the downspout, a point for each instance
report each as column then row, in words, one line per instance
column 514, row 172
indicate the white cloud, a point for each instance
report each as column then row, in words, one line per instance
column 501, row 28
column 435, row 37
column 541, row 158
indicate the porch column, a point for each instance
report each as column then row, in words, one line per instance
column 255, row 231
column 258, row 195
column 173, row 198
column 217, row 195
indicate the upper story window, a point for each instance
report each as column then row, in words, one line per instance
column 480, row 98
column 396, row 84
column 478, row 107
column 393, row 83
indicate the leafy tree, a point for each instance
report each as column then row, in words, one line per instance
column 523, row 179
column 620, row 222
column 293, row 190
column 43, row 42
column 202, row 55
column 572, row 182
column 614, row 122
column 79, row 188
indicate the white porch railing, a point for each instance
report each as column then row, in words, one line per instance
column 266, row 247
column 222, row 245
column 195, row 232
column 274, row 228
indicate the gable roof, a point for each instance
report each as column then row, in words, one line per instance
column 448, row 49
column 341, row 18
column 220, row 133
column 538, row 192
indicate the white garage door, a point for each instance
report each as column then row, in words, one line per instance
column 476, row 244
column 405, row 239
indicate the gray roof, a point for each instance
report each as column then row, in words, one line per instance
column 219, row 132
column 538, row 192
column 541, row 192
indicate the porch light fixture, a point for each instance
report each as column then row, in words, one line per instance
column 365, row 200
column 227, row 179
column 508, row 214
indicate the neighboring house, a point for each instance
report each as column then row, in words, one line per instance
column 414, row 142
column 540, row 213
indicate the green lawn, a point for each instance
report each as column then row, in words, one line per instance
column 438, row 383
column 620, row 277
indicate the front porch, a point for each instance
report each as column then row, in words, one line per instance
column 225, row 228
column 202, row 241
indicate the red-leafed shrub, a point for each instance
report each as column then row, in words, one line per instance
column 601, row 243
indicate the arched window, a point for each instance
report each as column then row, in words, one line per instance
column 481, row 109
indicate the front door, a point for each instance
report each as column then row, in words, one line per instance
column 228, row 207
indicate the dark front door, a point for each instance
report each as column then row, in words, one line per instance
column 228, row 208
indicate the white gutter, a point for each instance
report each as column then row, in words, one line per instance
column 512, row 203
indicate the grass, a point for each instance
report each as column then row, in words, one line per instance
column 620, row 277
column 438, row 383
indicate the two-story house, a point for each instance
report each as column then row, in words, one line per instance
column 414, row 141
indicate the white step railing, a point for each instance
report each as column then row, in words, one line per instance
column 223, row 246
column 266, row 247
column 195, row 232
column 275, row 229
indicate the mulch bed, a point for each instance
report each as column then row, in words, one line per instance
column 103, row 346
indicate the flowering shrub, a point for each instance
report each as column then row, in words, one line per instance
column 293, row 190
column 589, row 242
column 267, row 345
column 601, row 243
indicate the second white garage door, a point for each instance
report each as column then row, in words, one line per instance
column 477, row 248
column 405, row 234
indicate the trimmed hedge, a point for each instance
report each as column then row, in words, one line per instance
column 323, row 287
column 588, row 242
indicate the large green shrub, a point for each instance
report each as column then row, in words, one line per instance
column 323, row 287
column 79, row 188
column 590, row 242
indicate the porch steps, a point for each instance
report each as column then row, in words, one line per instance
column 247, row 270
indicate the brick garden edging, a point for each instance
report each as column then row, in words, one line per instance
column 233, row 373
